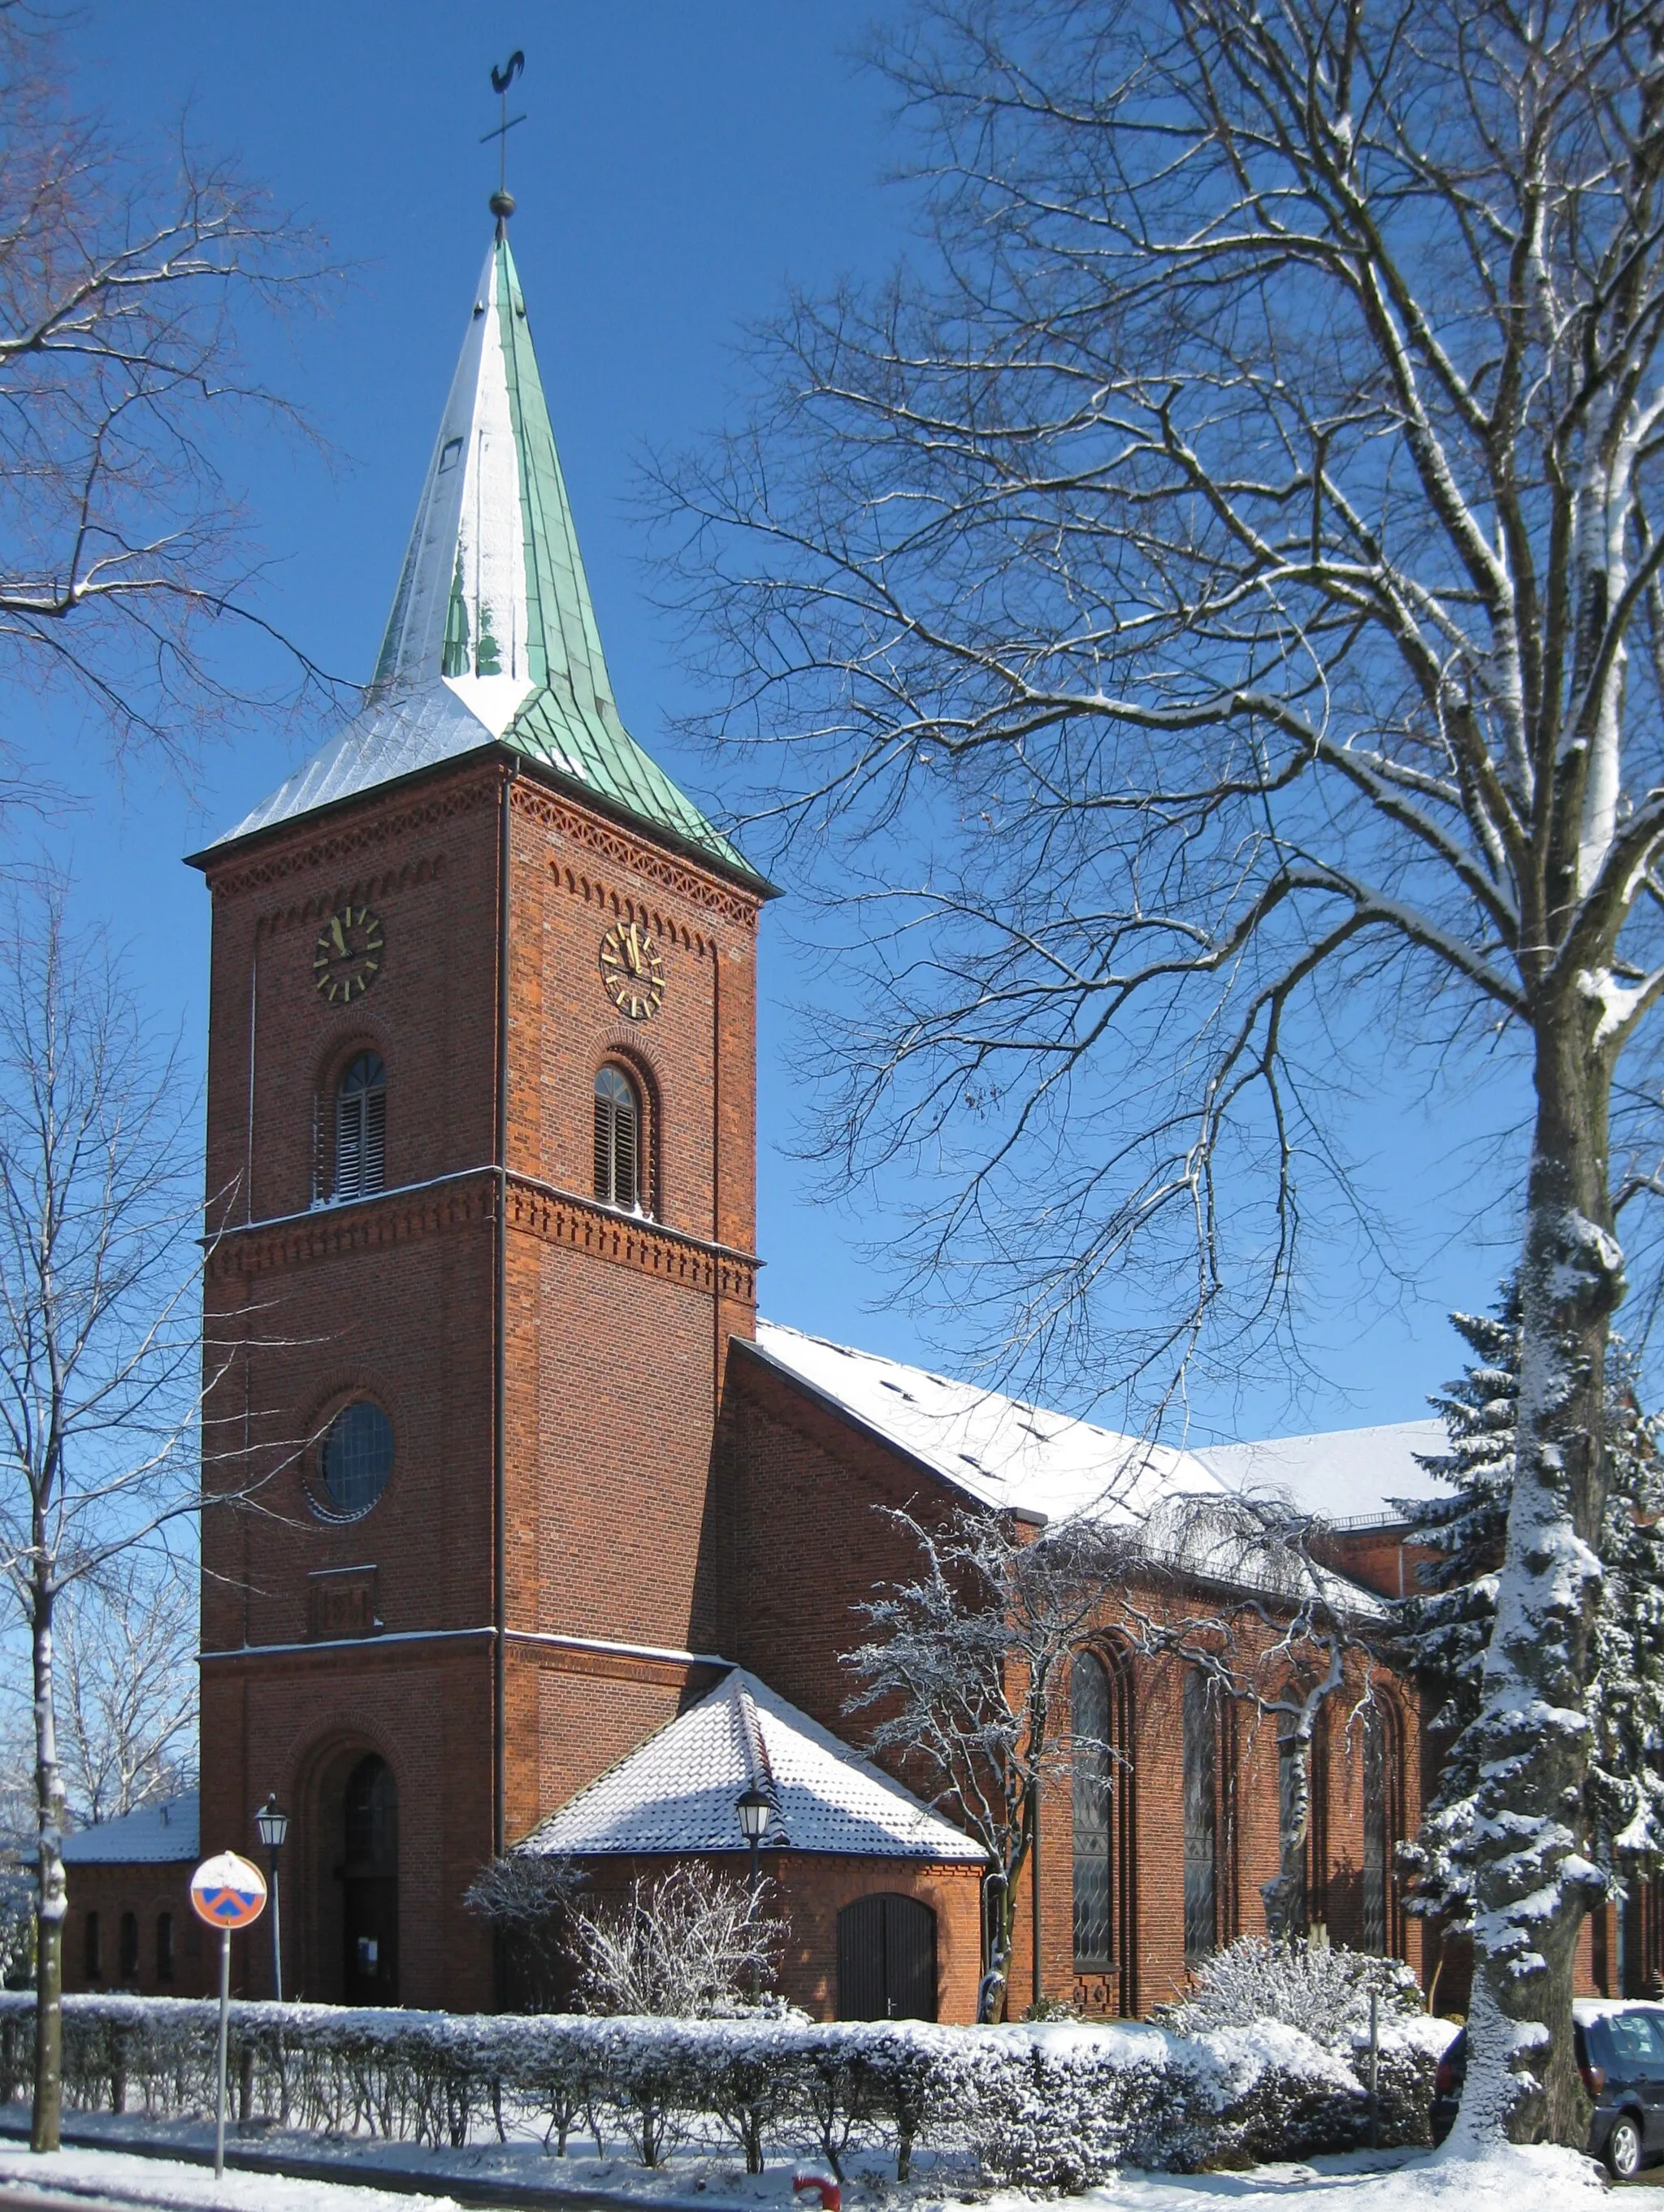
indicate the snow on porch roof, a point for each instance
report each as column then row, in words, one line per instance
column 677, row 1792
column 155, row 1835
column 1004, row 1453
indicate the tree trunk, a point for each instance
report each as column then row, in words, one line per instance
column 1533, row 1881
column 1284, row 1894
column 53, row 1897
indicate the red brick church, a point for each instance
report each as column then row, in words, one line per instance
column 550, row 1538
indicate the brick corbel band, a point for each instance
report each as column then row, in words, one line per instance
column 537, row 1209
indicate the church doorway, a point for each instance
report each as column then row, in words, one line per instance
column 369, row 1885
column 886, row 1959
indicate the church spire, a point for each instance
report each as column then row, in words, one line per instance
column 492, row 635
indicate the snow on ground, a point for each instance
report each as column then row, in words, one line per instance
column 1390, row 2181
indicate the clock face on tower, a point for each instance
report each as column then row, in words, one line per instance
column 631, row 972
column 347, row 957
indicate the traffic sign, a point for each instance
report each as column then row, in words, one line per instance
column 227, row 1892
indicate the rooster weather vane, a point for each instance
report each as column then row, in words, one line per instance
column 503, row 200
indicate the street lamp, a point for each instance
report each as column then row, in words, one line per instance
column 272, row 1822
column 755, row 1813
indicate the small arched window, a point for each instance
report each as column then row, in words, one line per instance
column 128, row 1966
column 361, row 1128
column 92, row 1952
column 164, row 1947
column 618, row 1180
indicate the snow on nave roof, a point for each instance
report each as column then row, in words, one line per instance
column 1024, row 1458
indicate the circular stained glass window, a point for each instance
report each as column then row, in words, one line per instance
column 357, row 1457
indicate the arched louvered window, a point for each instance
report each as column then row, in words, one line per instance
column 618, row 1177
column 361, row 1128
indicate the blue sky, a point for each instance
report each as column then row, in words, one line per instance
column 679, row 165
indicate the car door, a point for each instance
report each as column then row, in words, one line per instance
column 1635, row 2069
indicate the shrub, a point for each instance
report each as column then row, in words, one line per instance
column 1050, row 2105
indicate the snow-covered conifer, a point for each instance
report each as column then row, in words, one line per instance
column 1447, row 1624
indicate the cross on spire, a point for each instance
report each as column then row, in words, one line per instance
column 503, row 200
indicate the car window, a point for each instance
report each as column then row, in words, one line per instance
column 1635, row 2038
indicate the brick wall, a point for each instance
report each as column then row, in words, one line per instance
column 798, row 1546
column 325, row 1640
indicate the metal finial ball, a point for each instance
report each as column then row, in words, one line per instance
column 502, row 205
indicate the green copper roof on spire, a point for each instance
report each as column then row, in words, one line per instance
column 492, row 637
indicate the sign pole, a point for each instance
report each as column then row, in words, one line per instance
column 220, row 2071
column 228, row 1893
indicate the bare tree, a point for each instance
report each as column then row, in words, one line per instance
column 126, row 1680
column 527, row 1898
column 1213, row 617
column 125, row 297
column 687, row 1943
column 966, row 1674
column 101, row 1352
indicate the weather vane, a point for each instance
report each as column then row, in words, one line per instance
column 503, row 200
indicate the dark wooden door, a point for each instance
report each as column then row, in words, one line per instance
column 370, row 1918
column 886, row 1959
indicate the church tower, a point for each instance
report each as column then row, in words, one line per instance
column 481, row 1172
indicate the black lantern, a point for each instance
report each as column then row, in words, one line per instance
column 755, row 1813
column 272, row 1822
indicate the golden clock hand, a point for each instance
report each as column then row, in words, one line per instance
column 335, row 931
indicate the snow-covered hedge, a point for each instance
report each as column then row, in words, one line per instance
column 1051, row 2105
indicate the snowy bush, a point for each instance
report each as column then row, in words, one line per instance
column 690, row 1943
column 1324, row 1991
column 1052, row 2106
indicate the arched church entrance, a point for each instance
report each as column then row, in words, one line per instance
column 369, row 1884
column 886, row 1959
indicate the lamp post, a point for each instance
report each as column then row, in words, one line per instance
column 272, row 1822
column 755, row 1812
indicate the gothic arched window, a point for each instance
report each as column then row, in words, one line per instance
column 1090, row 1725
column 618, row 1179
column 1201, row 1815
column 1101, row 1726
column 361, row 1128
column 1381, row 1822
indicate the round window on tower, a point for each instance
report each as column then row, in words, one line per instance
column 356, row 1459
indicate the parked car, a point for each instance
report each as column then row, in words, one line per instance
column 1620, row 2056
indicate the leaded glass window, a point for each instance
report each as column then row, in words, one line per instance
column 357, row 1457
column 1380, row 1779
column 1090, row 1727
column 1201, row 1820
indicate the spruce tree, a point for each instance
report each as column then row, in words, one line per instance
column 1446, row 1627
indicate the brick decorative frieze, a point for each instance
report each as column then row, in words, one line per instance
column 574, row 826
column 350, row 838
column 556, row 1216
column 561, row 1218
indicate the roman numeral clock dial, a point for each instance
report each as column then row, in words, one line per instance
column 632, row 971
column 347, row 957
